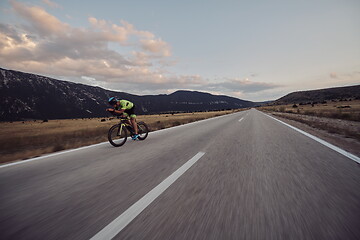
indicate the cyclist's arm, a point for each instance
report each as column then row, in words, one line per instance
column 119, row 111
column 116, row 111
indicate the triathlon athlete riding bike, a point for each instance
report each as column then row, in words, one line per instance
column 118, row 133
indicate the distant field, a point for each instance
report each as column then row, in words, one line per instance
column 21, row 140
column 340, row 117
column 347, row 110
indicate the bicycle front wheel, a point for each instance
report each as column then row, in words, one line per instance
column 143, row 130
column 117, row 135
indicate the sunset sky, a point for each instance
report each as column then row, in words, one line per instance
column 254, row 50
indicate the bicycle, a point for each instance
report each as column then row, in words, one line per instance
column 118, row 133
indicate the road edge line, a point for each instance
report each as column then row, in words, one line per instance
column 329, row 145
column 50, row 155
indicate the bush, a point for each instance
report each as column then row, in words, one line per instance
column 309, row 113
column 176, row 123
column 58, row 147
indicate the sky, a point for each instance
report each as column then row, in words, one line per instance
column 255, row 50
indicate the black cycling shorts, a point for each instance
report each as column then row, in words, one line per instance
column 131, row 111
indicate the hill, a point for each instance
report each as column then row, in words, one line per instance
column 29, row 96
column 338, row 93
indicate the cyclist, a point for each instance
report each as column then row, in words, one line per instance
column 126, row 108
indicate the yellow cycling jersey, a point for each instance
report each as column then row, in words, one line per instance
column 125, row 104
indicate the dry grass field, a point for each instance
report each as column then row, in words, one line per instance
column 22, row 140
column 346, row 110
column 334, row 117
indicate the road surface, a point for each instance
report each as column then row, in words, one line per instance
column 239, row 176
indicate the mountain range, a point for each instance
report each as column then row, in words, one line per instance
column 26, row 96
column 321, row 95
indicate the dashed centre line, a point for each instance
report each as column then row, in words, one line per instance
column 115, row 227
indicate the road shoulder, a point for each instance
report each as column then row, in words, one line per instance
column 304, row 123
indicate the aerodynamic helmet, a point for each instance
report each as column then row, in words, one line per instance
column 112, row 101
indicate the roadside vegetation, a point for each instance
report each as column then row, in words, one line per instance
column 336, row 117
column 346, row 109
column 22, row 140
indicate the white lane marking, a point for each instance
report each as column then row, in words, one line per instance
column 329, row 145
column 192, row 123
column 241, row 119
column 50, row 155
column 111, row 230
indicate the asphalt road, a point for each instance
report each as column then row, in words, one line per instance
column 254, row 178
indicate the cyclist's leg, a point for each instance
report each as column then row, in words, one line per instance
column 133, row 122
column 132, row 115
column 125, row 114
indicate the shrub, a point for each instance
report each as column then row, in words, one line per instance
column 309, row 113
column 58, row 147
column 176, row 123
column 345, row 116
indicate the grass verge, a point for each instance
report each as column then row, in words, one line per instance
column 23, row 140
column 348, row 129
column 349, row 110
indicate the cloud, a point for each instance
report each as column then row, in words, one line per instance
column 156, row 46
column 241, row 85
column 342, row 78
column 47, row 45
column 42, row 22
column 116, row 56
column 51, row 4
column 333, row 75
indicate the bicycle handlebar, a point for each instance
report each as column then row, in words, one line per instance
column 119, row 116
column 122, row 118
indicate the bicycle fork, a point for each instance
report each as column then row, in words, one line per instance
column 120, row 130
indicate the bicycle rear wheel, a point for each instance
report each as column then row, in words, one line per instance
column 117, row 135
column 143, row 130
